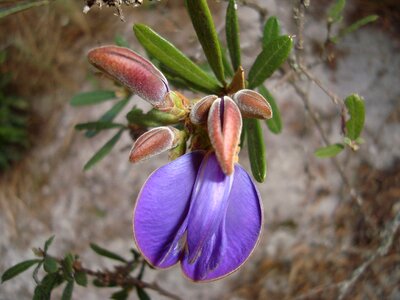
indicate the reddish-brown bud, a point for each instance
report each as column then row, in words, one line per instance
column 252, row 104
column 200, row 109
column 154, row 142
column 224, row 128
column 133, row 71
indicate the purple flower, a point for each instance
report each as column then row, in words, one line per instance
column 190, row 211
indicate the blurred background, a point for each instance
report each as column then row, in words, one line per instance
column 314, row 235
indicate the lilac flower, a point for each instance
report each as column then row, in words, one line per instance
column 190, row 211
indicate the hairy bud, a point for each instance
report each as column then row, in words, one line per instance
column 252, row 104
column 200, row 109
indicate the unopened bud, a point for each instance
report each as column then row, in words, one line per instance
column 133, row 71
column 200, row 109
column 153, row 142
column 224, row 127
column 176, row 104
column 252, row 104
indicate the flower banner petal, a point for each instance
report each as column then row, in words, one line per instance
column 162, row 208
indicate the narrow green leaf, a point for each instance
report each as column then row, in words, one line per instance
column 106, row 253
column 270, row 59
column 232, row 34
column 274, row 124
column 142, row 294
column 99, row 155
column 356, row 109
column 46, row 286
column 18, row 269
column 68, row 263
column 94, row 97
column 329, row 151
column 356, row 25
column 152, row 118
column 48, row 243
column 98, row 125
column 120, row 295
column 120, row 41
column 256, row 149
column 109, row 115
column 272, row 30
column 50, row 265
column 15, row 8
column 67, row 293
column 205, row 29
column 81, row 278
column 174, row 59
column 227, row 66
column 335, row 11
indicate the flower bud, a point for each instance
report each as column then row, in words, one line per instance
column 133, row 71
column 252, row 104
column 224, row 128
column 176, row 104
column 200, row 109
column 153, row 142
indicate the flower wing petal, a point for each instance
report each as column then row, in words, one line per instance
column 160, row 215
column 237, row 235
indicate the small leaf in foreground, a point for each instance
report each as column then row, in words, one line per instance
column 90, row 98
column 18, row 269
column 120, row 295
column 272, row 30
column 106, row 253
column 256, row 149
column 81, row 278
column 355, row 106
column 48, row 243
column 329, row 151
column 50, row 265
column 270, row 59
column 106, row 149
column 67, row 293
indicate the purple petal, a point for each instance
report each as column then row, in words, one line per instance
column 236, row 236
column 159, row 220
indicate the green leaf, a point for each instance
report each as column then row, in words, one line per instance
column 50, row 265
column 48, row 243
column 15, row 8
column 98, row 125
column 152, row 118
column 109, row 115
column 227, row 66
column 48, row 283
column 356, row 109
column 329, row 151
column 67, row 293
column 18, row 269
column 104, row 252
column 106, row 149
column 68, row 263
column 94, row 97
column 335, row 11
column 174, row 59
column 270, row 59
column 256, row 149
column 232, row 34
column 353, row 27
column 142, row 294
column 272, row 30
column 120, row 41
column 120, row 295
column 81, row 278
column 274, row 124
column 205, row 29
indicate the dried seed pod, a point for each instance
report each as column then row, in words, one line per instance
column 133, row 71
column 199, row 111
column 224, row 128
column 252, row 104
column 153, row 142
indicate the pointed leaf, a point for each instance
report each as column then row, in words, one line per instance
column 15, row 8
column 81, row 278
column 18, row 269
column 272, row 31
column 335, row 11
column 232, row 34
column 48, row 243
column 120, row 295
column 173, row 58
column 356, row 25
column 109, row 115
column 94, row 97
column 356, row 109
column 274, row 124
column 67, row 263
column 227, row 66
column 142, row 294
column 256, row 149
column 99, row 125
column 106, row 253
column 50, row 265
column 329, row 151
column 99, row 155
column 270, row 59
column 48, row 283
column 205, row 29
column 67, row 293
